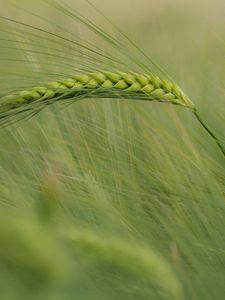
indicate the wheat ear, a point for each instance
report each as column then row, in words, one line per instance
column 23, row 251
column 139, row 263
column 100, row 85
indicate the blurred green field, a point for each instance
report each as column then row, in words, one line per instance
column 113, row 199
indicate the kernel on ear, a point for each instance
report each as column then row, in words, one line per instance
column 62, row 89
column 129, row 78
column 69, row 83
column 114, row 77
column 107, row 84
column 158, row 93
column 54, row 84
column 92, row 84
column 78, row 86
column 100, row 77
column 26, row 95
column 20, row 101
column 41, row 90
column 177, row 91
column 121, row 84
column 49, row 94
column 82, row 78
column 30, row 95
column 135, row 87
column 169, row 96
column 155, row 81
column 142, row 79
column 167, row 86
column 148, row 88
column 35, row 95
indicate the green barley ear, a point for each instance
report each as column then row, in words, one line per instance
column 94, row 85
column 30, row 259
column 114, row 261
column 99, row 85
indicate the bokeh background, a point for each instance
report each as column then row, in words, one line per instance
column 113, row 199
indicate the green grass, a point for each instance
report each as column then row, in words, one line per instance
column 140, row 174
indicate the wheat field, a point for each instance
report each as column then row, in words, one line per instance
column 113, row 197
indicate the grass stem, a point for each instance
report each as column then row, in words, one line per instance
column 209, row 131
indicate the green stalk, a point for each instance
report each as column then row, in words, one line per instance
column 222, row 149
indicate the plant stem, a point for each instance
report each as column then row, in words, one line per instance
column 222, row 149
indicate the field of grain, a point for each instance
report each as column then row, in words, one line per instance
column 110, row 198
